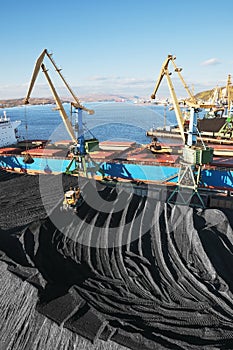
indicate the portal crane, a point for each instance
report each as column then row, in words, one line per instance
column 37, row 67
column 165, row 72
column 79, row 143
column 194, row 156
column 191, row 101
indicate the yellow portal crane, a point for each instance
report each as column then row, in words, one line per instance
column 165, row 72
column 194, row 156
column 40, row 65
column 191, row 101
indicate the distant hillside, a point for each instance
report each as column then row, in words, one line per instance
column 41, row 101
column 14, row 102
column 204, row 95
column 208, row 94
column 20, row 102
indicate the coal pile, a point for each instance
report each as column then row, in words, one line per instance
column 124, row 268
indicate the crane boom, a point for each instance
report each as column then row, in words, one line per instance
column 164, row 72
column 178, row 70
column 34, row 76
column 37, row 67
column 60, row 107
column 76, row 103
column 161, row 75
column 191, row 102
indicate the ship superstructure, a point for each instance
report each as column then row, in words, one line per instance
column 8, row 131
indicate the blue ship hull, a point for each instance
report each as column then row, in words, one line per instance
column 157, row 173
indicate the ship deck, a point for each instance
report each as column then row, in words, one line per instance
column 118, row 151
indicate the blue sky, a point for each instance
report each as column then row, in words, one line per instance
column 116, row 47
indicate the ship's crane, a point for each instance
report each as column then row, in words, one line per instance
column 194, row 156
column 78, row 141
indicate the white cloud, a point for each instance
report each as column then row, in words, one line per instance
column 118, row 80
column 126, row 86
column 116, row 85
column 98, row 78
column 211, row 62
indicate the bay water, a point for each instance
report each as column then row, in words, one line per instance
column 111, row 121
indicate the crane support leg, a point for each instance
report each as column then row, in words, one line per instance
column 186, row 191
column 192, row 133
column 81, row 140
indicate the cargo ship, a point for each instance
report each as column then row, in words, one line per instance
column 117, row 162
column 121, row 161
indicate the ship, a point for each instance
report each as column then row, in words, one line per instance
column 210, row 173
column 8, row 131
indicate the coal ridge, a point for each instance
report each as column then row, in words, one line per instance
column 170, row 287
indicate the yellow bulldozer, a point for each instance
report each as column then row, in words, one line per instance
column 72, row 199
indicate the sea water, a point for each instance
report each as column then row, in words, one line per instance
column 111, row 121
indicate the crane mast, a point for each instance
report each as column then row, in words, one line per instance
column 60, row 107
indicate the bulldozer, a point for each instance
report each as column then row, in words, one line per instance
column 72, row 199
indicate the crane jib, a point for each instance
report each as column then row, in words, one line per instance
column 40, row 65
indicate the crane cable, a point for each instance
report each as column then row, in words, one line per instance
column 26, row 126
